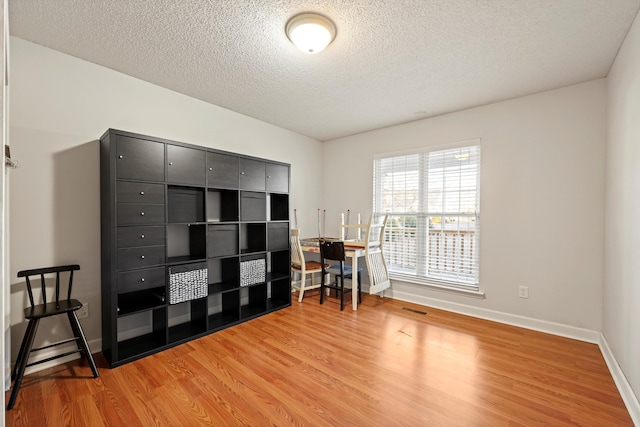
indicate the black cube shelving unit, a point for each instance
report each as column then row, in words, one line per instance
column 203, row 214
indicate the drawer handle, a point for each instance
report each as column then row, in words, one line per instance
column 142, row 257
column 210, row 169
column 142, row 280
column 241, row 173
column 142, row 193
column 121, row 157
column 170, row 163
column 268, row 176
column 141, row 213
column 142, row 236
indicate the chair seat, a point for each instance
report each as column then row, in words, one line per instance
column 347, row 271
column 50, row 309
column 309, row 266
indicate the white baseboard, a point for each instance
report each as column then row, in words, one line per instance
column 497, row 316
column 628, row 396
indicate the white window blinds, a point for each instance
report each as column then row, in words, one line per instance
column 433, row 200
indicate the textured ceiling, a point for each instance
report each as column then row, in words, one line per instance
column 392, row 61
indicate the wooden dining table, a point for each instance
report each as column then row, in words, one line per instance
column 353, row 249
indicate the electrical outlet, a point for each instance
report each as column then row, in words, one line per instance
column 83, row 312
column 523, row 292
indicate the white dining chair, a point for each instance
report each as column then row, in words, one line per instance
column 302, row 267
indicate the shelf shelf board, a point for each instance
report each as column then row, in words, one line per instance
column 249, row 251
column 247, row 311
column 186, row 331
column 252, row 285
column 185, row 258
column 137, row 347
column 137, row 302
column 272, row 277
column 221, row 320
column 276, row 304
column 216, row 288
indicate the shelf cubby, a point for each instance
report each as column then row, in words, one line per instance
column 252, row 238
column 223, row 309
column 253, row 300
column 222, row 205
column 224, row 274
column 141, row 334
column 278, row 207
column 144, row 300
column 186, row 242
column 187, row 320
column 279, row 263
column 279, row 293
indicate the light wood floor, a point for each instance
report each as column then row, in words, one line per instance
column 314, row 365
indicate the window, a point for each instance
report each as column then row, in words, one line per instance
column 433, row 201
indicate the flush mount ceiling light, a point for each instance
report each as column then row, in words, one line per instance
column 310, row 32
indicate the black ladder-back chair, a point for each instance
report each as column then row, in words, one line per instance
column 334, row 251
column 37, row 312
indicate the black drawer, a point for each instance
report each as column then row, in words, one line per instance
column 278, row 235
column 130, row 237
column 253, row 206
column 139, row 192
column 145, row 256
column 138, row 280
column 139, row 159
column 252, row 175
column 222, row 170
column 222, row 240
column 277, row 178
column 140, row 213
column 185, row 165
column 185, row 204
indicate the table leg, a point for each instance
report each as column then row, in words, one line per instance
column 354, row 280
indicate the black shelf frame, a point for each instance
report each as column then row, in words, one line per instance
column 203, row 207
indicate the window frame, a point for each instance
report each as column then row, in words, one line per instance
column 420, row 274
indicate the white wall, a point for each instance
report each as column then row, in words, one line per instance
column 60, row 106
column 621, row 314
column 4, row 256
column 542, row 194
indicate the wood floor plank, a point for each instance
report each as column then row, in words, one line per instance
column 313, row 365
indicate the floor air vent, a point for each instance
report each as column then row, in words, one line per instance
column 423, row 313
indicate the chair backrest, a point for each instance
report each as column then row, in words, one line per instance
column 297, row 256
column 45, row 271
column 375, row 232
column 346, row 225
column 376, row 264
column 332, row 250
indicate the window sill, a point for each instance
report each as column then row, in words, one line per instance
column 439, row 286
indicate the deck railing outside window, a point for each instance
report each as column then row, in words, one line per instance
column 450, row 252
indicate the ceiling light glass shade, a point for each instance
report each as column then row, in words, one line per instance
column 310, row 32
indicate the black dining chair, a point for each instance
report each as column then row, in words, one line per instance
column 36, row 312
column 334, row 251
